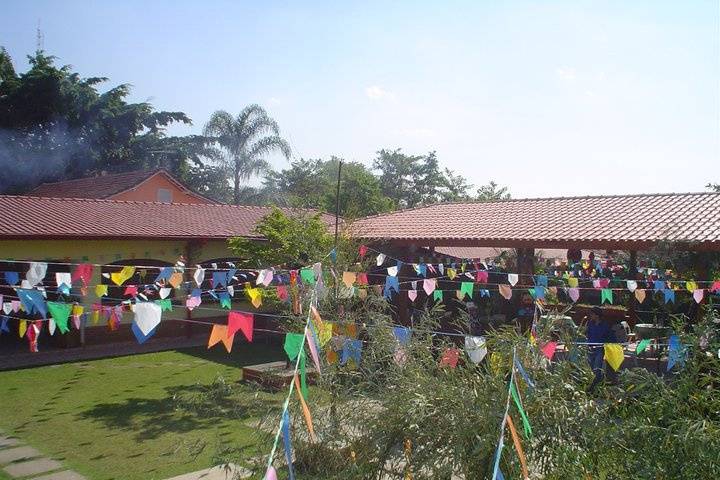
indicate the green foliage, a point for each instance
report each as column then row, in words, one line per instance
column 291, row 240
column 643, row 427
column 313, row 184
column 245, row 142
column 715, row 187
column 55, row 125
column 492, row 191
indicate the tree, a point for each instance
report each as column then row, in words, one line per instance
column 492, row 191
column 715, row 187
column 55, row 125
column 456, row 187
column 290, row 240
column 313, row 184
column 413, row 180
column 245, row 141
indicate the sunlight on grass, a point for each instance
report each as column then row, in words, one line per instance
column 120, row 418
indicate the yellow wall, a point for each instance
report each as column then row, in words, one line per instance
column 111, row 251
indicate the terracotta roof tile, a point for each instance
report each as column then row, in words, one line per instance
column 102, row 186
column 599, row 222
column 39, row 217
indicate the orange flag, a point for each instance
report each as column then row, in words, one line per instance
column 219, row 334
column 175, row 279
column 305, row 409
column 518, row 447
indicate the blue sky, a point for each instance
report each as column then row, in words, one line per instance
column 549, row 98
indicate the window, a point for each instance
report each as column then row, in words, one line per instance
column 164, row 195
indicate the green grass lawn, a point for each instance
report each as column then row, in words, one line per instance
column 119, row 418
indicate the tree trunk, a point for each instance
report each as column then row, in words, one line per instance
column 236, row 193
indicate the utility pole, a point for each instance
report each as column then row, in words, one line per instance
column 337, row 203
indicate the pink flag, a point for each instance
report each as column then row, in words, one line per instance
column 604, row 282
column 698, row 295
column 192, row 302
column 131, row 290
column 481, row 276
column 549, row 350
column 505, row 291
column 362, row 250
column 429, row 285
column 715, row 286
column 412, row 295
column 241, row 321
column 574, row 294
column 313, row 349
column 271, row 474
column 282, row 292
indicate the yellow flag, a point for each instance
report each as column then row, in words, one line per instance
column 572, row 282
column 101, row 290
column 451, row 273
column 23, row 328
column 614, row 355
column 78, row 309
column 691, row 286
column 325, row 334
column 121, row 277
column 348, row 278
column 255, row 295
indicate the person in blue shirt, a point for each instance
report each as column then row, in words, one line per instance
column 598, row 333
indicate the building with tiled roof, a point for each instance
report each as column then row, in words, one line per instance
column 620, row 222
column 143, row 185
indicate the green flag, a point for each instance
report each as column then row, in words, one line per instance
column 293, row 344
column 606, row 294
column 467, row 289
column 642, row 345
column 526, row 422
column 307, row 275
column 60, row 313
column 303, row 376
column 437, row 295
column 165, row 304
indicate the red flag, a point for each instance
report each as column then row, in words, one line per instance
column 363, row 251
column 83, row 272
column 362, row 279
column 131, row 290
column 450, row 357
column 241, row 321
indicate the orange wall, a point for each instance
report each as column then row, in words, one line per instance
column 147, row 192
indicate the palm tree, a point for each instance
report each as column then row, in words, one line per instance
column 245, row 142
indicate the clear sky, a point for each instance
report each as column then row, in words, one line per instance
column 550, row 98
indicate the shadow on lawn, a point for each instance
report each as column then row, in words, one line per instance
column 185, row 408
column 243, row 353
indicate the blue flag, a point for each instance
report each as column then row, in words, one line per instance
column 391, row 283
column 12, row 278
column 4, row 326
column 676, row 353
column 402, row 334
column 139, row 335
column 351, row 349
column 541, row 280
column 33, row 301
column 164, row 274
column 669, row 295
column 524, row 374
column 288, row 444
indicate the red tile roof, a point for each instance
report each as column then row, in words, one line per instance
column 485, row 253
column 38, row 217
column 103, row 186
column 621, row 221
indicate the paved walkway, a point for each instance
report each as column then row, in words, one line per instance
column 21, row 461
